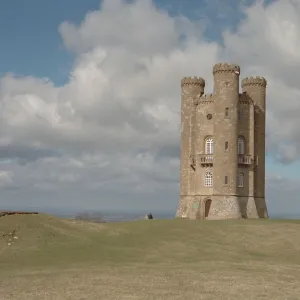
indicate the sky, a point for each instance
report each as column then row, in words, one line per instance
column 90, row 96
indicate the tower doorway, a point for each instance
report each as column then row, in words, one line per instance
column 207, row 207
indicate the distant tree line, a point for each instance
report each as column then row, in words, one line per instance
column 96, row 217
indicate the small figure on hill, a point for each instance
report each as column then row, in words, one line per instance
column 149, row 217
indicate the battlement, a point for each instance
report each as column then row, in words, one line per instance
column 226, row 68
column 186, row 81
column 245, row 99
column 254, row 81
column 206, row 98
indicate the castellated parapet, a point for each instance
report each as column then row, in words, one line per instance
column 222, row 169
column 254, row 81
column 187, row 81
column 206, row 98
column 226, row 68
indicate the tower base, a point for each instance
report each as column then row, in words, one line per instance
column 218, row 207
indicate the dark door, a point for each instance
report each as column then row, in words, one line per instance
column 207, row 207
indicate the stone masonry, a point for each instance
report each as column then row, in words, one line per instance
column 222, row 170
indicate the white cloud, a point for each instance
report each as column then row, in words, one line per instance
column 139, row 28
column 114, row 126
column 5, row 178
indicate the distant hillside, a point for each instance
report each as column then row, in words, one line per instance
column 44, row 239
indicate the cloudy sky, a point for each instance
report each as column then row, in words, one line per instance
column 90, row 96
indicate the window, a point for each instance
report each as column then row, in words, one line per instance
column 209, row 146
column 240, row 115
column 226, row 112
column 241, row 146
column 226, row 180
column 226, row 146
column 208, row 181
column 241, row 180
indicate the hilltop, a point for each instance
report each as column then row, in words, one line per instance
column 166, row 259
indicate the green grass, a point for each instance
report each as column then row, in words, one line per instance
column 155, row 259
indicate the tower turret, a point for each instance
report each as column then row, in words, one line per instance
column 255, row 89
column 193, row 85
column 225, row 159
column 192, row 88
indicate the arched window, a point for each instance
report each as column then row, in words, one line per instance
column 208, row 181
column 241, row 145
column 241, row 180
column 209, row 146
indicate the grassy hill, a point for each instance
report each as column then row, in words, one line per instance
column 155, row 259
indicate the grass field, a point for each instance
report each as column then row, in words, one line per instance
column 156, row 259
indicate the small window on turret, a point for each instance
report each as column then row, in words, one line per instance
column 226, row 146
column 241, row 146
column 226, row 180
column 241, row 180
column 240, row 115
column 226, row 112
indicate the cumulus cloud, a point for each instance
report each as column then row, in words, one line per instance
column 275, row 30
column 114, row 126
column 5, row 178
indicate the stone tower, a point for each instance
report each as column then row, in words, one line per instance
column 222, row 170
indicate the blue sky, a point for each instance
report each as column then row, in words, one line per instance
column 33, row 46
column 35, row 43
